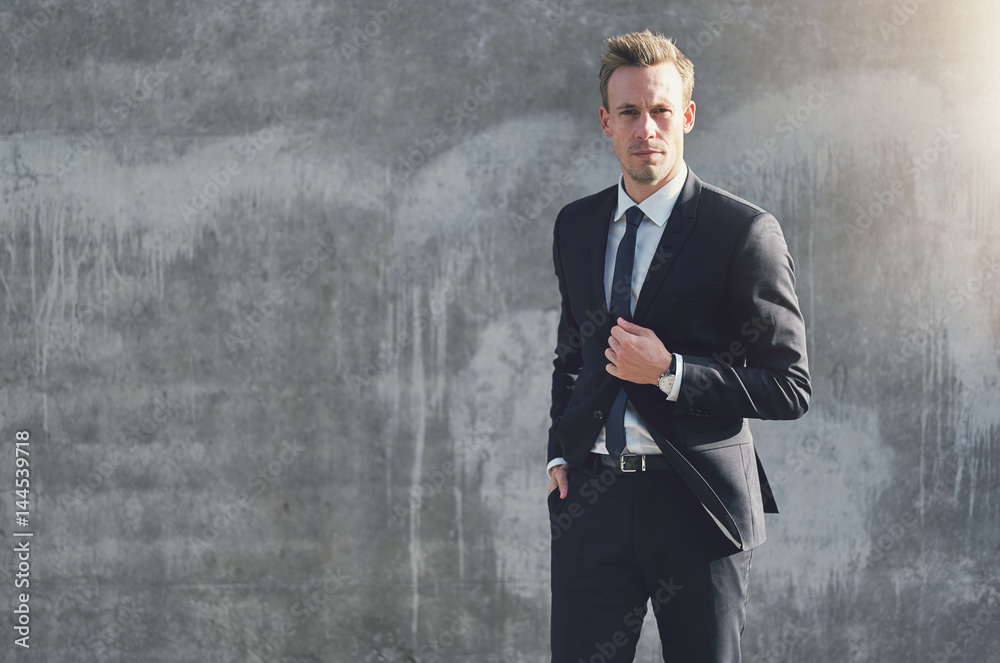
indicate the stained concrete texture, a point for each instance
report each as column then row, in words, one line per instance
column 278, row 310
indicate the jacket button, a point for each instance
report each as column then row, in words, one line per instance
column 598, row 415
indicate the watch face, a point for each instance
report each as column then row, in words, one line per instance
column 666, row 383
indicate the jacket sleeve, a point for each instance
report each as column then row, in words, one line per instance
column 761, row 301
column 569, row 360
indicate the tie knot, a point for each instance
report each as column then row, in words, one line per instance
column 633, row 216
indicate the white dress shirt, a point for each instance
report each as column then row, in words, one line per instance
column 657, row 209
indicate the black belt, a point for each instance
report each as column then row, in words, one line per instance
column 629, row 463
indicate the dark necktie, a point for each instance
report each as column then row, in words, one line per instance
column 621, row 307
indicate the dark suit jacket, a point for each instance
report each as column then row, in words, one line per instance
column 721, row 292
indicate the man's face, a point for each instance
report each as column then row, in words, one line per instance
column 647, row 119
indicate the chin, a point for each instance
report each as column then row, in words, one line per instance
column 645, row 175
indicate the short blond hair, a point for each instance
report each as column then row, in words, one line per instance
column 644, row 49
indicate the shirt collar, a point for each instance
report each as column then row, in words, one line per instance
column 659, row 205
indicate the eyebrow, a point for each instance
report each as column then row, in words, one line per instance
column 664, row 104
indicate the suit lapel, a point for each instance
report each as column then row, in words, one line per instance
column 600, row 225
column 679, row 226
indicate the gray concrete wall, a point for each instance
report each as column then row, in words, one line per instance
column 278, row 309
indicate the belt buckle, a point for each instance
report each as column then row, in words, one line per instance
column 621, row 462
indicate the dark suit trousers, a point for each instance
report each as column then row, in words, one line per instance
column 621, row 540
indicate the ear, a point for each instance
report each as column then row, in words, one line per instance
column 605, row 120
column 689, row 118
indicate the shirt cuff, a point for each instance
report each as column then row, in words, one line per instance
column 675, row 391
column 554, row 462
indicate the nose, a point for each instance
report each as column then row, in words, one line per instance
column 645, row 127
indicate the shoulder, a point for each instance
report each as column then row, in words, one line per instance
column 731, row 218
column 589, row 204
column 719, row 200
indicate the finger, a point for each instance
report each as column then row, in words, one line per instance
column 562, row 477
column 631, row 327
column 558, row 478
column 622, row 332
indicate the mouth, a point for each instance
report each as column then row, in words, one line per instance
column 645, row 154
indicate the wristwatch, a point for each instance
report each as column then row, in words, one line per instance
column 666, row 381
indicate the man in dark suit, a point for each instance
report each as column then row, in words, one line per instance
column 679, row 322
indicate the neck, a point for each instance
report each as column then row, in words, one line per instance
column 639, row 191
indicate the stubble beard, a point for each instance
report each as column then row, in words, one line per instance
column 645, row 176
column 648, row 173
